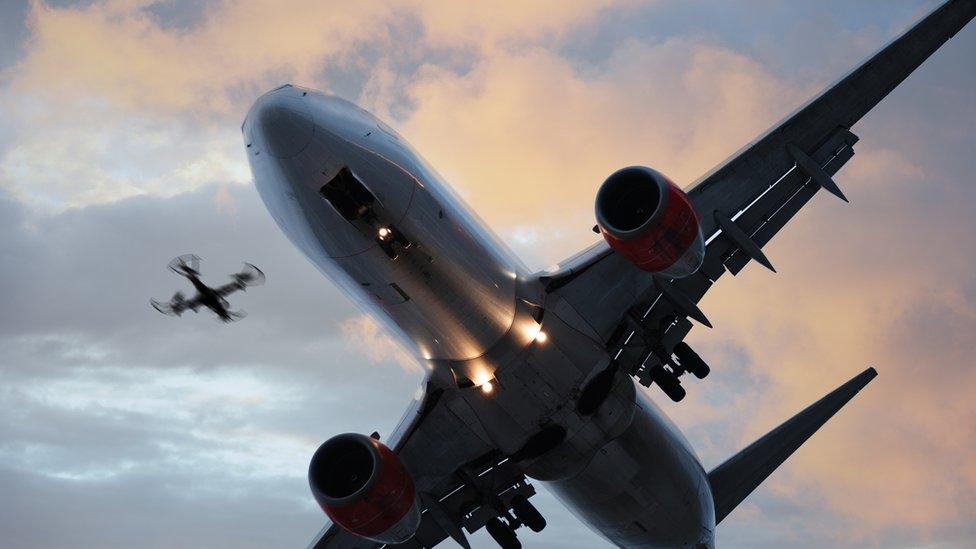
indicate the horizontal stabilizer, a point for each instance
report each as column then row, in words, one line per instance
column 735, row 479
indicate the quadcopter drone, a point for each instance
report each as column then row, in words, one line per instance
column 188, row 267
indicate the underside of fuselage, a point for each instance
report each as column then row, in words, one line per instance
column 361, row 204
column 533, row 376
column 336, row 180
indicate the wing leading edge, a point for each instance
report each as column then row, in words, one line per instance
column 743, row 203
column 759, row 190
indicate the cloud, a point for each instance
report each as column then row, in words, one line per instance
column 364, row 333
column 119, row 148
column 169, row 99
column 117, row 413
column 534, row 121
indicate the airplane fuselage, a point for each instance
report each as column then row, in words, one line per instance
column 367, row 210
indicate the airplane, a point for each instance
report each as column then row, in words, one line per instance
column 533, row 377
column 188, row 266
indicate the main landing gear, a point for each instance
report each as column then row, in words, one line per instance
column 527, row 514
column 503, row 534
column 523, row 514
column 690, row 361
column 668, row 382
column 666, row 377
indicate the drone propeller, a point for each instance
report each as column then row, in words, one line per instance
column 232, row 316
column 164, row 308
column 249, row 276
column 185, row 264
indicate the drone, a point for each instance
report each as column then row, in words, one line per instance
column 188, row 266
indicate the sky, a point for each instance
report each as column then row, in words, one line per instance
column 120, row 148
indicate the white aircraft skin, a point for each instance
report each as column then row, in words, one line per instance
column 470, row 309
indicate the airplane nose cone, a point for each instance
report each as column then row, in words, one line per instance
column 283, row 123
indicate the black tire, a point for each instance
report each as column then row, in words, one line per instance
column 690, row 360
column 668, row 383
column 527, row 513
column 503, row 535
column 674, row 391
column 701, row 371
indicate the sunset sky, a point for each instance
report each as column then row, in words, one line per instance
column 120, row 148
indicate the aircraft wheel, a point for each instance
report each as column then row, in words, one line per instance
column 503, row 535
column 668, row 383
column 527, row 513
column 690, row 360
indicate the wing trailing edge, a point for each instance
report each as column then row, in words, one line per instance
column 735, row 479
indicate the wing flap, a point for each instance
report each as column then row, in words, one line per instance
column 785, row 198
column 735, row 479
column 736, row 182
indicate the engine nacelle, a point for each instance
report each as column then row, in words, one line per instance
column 364, row 487
column 650, row 221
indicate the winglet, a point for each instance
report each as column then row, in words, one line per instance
column 735, row 479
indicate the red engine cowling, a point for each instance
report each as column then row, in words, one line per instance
column 650, row 221
column 364, row 487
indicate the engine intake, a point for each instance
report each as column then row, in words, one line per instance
column 649, row 220
column 364, row 487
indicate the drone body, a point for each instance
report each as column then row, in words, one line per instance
column 188, row 266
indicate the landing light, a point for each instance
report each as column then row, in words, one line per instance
column 383, row 233
column 487, row 387
column 533, row 332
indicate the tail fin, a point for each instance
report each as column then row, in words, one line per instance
column 735, row 479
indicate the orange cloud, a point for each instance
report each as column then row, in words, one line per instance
column 527, row 135
column 363, row 333
column 529, row 120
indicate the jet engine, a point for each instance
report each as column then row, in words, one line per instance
column 649, row 220
column 364, row 487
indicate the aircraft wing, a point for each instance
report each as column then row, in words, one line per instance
column 455, row 469
column 744, row 202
